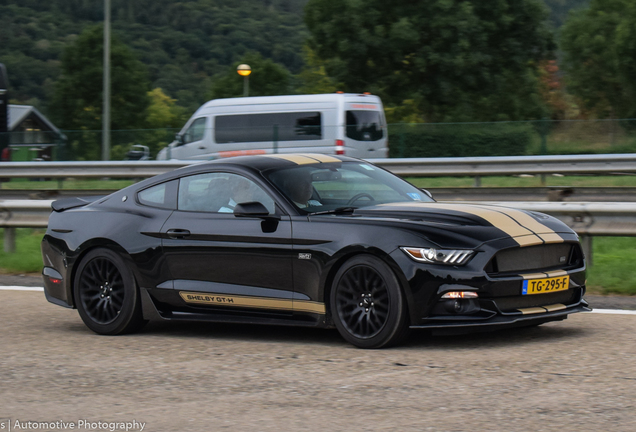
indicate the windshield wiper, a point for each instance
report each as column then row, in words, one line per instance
column 339, row 210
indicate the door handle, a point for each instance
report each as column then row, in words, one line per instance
column 202, row 147
column 178, row 233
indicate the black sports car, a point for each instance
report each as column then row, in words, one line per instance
column 310, row 240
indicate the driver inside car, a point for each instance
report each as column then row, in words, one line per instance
column 299, row 189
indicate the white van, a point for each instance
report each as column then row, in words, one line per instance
column 336, row 123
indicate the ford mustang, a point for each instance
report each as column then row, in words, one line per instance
column 307, row 240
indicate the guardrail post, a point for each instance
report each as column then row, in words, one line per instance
column 477, row 182
column 275, row 138
column 586, row 244
column 9, row 240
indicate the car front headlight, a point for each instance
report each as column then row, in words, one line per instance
column 439, row 256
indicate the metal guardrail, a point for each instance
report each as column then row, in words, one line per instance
column 549, row 193
column 588, row 219
column 416, row 167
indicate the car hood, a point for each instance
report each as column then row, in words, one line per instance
column 470, row 224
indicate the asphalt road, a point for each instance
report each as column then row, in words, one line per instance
column 576, row 375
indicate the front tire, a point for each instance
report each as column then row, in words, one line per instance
column 106, row 294
column 367, row 304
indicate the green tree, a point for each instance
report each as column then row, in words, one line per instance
column 78, row 93
column 267, row 79
column 626, row 51
column 592, row 60
column 313, row 79
column 78, row 99
column 163, row 112
column 457, row 60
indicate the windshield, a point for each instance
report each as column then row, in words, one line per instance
column 329, row 186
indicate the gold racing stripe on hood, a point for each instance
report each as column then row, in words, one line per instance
column 517, row 224
column 305, row 159
column 502, row 221
column 524, row 219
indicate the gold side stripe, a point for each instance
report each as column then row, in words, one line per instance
column 309, row 306
column 252, row 302
column 534, row 310
column 555, row 307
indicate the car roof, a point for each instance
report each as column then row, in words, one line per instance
column 252, row 163
column 272, row 161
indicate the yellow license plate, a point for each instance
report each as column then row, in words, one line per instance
column 548, row 285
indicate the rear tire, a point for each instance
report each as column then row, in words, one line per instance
column 367, row 304
column 106, row 294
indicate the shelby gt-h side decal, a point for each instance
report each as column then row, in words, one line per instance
column 253, row 302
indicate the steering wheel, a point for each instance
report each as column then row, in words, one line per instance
column 358, row 196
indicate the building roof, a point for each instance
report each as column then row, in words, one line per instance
column 17, row 113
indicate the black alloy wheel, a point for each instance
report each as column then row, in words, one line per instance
column 106, row 295
column 367, row 303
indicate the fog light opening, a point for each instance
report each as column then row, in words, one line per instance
column 460, row 295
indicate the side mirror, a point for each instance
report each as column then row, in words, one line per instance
column 179, row 139
column 430, row 195
column 252, row 209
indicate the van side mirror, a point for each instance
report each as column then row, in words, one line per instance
column 179, row 139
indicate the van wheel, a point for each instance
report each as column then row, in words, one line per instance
column 367, row 304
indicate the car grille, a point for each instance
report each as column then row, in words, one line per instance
column 536, row 258
column 518, row 302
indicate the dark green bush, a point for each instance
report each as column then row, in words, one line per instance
column 458, row 140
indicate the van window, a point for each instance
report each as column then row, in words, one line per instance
column 364, row 125
column 292, row 126
column 195, row 131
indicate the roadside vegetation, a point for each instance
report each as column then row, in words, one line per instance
column 610, row 274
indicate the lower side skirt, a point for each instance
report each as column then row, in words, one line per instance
column 150, row 311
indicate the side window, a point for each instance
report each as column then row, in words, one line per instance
column 220, row 193
column 364, row 125
column 291, row 126
column 196, row 131
column 162, row 195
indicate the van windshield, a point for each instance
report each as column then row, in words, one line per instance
column 364, row 125
column 329, row 186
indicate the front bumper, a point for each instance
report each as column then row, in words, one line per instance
column 497, row 320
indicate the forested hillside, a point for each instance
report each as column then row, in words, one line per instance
column 184, row 44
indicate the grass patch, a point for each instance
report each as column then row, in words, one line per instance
column 612, row 272
column 27, row 257
column 70, row 183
